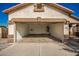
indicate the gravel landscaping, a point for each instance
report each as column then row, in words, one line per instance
column 4, row 43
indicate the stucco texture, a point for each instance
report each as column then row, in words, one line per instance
column 49, row 12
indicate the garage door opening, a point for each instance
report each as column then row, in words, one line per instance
column 39, row 30
column 38, row 38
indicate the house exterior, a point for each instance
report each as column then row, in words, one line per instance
column 38, row 18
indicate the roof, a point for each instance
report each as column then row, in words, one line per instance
column 19, row 6
column 16, row 7
column 66, row 10
column 75, row 17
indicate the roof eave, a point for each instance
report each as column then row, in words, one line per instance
column 7, row 11
column 66, row 10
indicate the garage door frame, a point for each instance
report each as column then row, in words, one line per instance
column 36, row 20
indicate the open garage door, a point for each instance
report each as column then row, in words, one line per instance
column 38, row 28
column 25, row 27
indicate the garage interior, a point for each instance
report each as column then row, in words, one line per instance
column 39, row 30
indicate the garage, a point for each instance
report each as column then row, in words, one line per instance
column 53, row 29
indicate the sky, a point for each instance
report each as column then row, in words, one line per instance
column 4, row 17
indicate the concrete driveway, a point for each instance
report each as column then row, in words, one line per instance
column 36, row 47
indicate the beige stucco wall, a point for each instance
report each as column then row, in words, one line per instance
column 66, row 29
column 29, row 13
column 57, row 30
column 49, row 12
column 11, row 29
